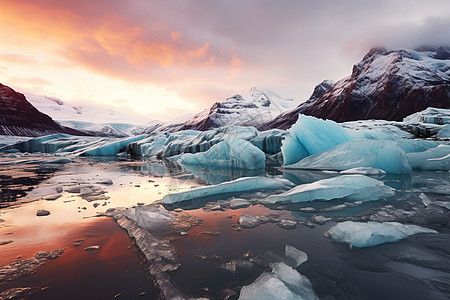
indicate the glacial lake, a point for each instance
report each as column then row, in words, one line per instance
column 417, row 267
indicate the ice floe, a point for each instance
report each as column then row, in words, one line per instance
column 360, row 234
column 235, row 186
column 283, row 282
column 351, row 187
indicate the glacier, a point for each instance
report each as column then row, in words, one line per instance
column 236, row 186
column 360, row 234
column 351, row 187
column 283, row 282
column 230, row 153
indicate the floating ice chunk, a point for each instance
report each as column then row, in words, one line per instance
column 310, row 135
column 384, row 155
column 152, row 218
column 364, row 171
column 425, row 200
column 230, row 153
column 433, row 159
column 235, row 186
column 299, row 256
column 351, row 187
column 283, row 282
column 360, row 234
column 239, row 203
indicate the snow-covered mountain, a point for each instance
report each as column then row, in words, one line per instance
column 257, row 108
column 286, row 119
column 386, row 84
column 94, row 121
column 18, row 117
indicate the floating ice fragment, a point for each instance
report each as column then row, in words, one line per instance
column 352, row 187
column 299, row 256
column 360, row 234
column 235, row 186
column 283, row 282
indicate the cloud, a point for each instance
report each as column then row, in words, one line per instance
column 204, row 51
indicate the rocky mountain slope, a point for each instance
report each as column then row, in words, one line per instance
column 18, row 117
column 386, row 84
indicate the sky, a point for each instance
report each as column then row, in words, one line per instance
column 164, row 59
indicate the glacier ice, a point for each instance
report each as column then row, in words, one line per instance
column 283, row 282
column 380, row 154
column 149, row 146
column 437, row 158
column 235, row 186
column 77, row 145
column 299, row 256
column 110, row 148
column 154, row 219
column 230, row 153
column 360, row 234
column 430, row 115
column 352, row 187
column 444, row 133
column 310, row 135
column 364, row 171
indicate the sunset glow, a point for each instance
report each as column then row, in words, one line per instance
column 166, row 59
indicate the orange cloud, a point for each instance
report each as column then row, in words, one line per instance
column 89, row 29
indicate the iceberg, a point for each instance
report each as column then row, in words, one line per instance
column 235, row 186
column 230, row 153
column 310, row 136
column 352, row 187
column 283, row 282
column 432, row 159
column 384, row 155
column 360, row 234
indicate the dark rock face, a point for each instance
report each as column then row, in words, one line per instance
column 19, row 117
column 386, row 84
